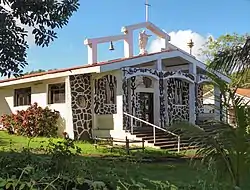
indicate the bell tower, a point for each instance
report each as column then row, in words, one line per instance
column 127, row 38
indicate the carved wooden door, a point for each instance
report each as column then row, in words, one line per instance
column 147, row 107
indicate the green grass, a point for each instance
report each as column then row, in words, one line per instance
column 8, row 142
column 149, row 176
column 125, row 173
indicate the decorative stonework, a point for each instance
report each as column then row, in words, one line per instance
column 126, row 119
column 173, row 97
column 203, row 79
column 105, row 95
column 180, row 113
column 131, row 71
column 81, row 106
column 177, row 100
column 138, row 110
column 162, row 102
column 133, row 96
column 178, row 74
column 200, row 98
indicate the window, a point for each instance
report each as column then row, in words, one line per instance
column 56, row 93
column 22, row 96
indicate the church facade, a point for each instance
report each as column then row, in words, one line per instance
column 112, row 98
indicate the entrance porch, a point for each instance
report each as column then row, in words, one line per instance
column 157, row 97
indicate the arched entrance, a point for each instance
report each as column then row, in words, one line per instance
column 208, row 100
column 177, row 97
column 139, row 96
column 158, row 97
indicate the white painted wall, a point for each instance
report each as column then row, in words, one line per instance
column 110, row 125
column 39, row 94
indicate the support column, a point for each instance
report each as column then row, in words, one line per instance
column 93, row 96
column 162, row 102
column 217, row 103
column 69, row 121
column 192, row 98
column 92, row 53
column 166, row 42
column 118, row 117
column 128, row 45
column 159, row 65
column 125, row 100
column 156, row 103
column 160, row 112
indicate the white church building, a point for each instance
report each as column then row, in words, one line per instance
column 101, row 98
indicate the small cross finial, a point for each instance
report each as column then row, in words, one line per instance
column 190, row 45
column 147, row 7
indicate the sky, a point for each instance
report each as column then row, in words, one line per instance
column 182, row 19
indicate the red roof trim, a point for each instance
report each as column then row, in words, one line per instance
column 243, row 92
column 79, row 67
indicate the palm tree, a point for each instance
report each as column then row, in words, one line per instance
column 227, row 149
column 234, row 60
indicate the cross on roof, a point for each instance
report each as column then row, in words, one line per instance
column 147, row 9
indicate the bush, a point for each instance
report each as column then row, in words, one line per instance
column 35, row 121
column 58, row 168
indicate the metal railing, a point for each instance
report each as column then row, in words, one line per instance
column 154, row 129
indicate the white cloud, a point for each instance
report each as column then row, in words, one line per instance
column 180, row 39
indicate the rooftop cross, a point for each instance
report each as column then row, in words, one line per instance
column 147, row 7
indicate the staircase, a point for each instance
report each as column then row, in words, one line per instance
column 171, row 140
column 163, row 140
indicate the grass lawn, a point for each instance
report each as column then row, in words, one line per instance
column 8, row 142
column 124, row 173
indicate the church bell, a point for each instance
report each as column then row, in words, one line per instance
column 111, row 46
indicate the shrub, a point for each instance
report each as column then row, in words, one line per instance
column 58, row 168
column 35, row 121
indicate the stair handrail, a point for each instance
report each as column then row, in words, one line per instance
column 154, row 127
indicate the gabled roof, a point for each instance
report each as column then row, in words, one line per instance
column 78, row 67
column 108, row 66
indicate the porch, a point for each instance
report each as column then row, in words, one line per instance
column 158, row 97
column 157, row 92
column 157, row 88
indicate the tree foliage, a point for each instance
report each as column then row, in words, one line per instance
column 34, row 71
column 230, row 55
column 223, row 42
column 42, row 17
column 235, row 62
column 225, row 151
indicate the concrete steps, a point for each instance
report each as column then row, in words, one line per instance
column 167, row 141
